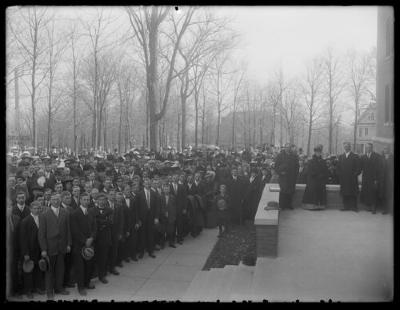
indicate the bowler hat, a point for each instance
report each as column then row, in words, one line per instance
column 87, row 253
column 44, row 264
column 27, row 266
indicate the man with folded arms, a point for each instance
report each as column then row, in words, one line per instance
column 55, row 242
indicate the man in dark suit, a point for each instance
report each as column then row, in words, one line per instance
column 348, row 169
column 83, row 231
column 13, row 252
column 55, row 241
column 68, row 274
column 103, row 216
column 372, row 169
column 236, row 188
column 149, row 217
column 30, row 250
column 76, row 191
column 20, row 209
column 251, row 196
column 50, row 178
column 168, row 209
column 131, row 222
column 178, row 190
column 116, row 232
column 287, row 167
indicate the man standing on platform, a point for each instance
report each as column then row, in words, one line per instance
column 287, row 167
column 236, row 188
column 371, row 175
column 348, row 169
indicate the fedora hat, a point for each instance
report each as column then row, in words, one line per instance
column 27, row 266
column 44, row 264
column 87, row 253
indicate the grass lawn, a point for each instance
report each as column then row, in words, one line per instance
column 239, row 244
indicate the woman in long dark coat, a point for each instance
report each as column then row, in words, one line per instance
column 314, row 197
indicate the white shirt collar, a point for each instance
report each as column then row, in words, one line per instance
column 84, row 210
column 55, row 210
column 21, row 208
column 347, row 154
column 35, row 216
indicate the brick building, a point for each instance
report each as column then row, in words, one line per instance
column 385, row 79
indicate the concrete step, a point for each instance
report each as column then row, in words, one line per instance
column 241, row 283
column 198, row 284
column 224, row 292
column 215, row 283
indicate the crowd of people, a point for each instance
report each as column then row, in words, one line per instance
column 74, row 218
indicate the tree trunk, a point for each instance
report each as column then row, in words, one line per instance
column 355, row 125
column 233, row 127
column 309, row 134
column 330, row 115
column 273, row 124
column 196, row 121
column 177, row 134
column 183, row 122
column 203, row 118
column 120, row 121
column 152, row 83
column 105, row 130
column 17, row 115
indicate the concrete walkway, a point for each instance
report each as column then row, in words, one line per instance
column 329, row 254
column 165, row 277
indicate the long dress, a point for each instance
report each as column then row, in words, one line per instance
column 314, row 197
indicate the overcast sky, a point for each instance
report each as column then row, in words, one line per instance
column 292, row 35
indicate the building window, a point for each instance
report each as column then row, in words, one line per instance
column 371, row 117
column 360, row 132
column 366, row 131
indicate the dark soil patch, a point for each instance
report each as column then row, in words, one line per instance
column 239, row 244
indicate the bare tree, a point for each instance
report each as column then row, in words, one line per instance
column 74, row 94
column 289, row 112
column 56, row 48
column 236, row 89
column 360, row 77
column 311, row 90
column 334, row 88
column 145, row 22
column 32, row 48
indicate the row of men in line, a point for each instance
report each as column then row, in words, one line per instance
column 118, row 225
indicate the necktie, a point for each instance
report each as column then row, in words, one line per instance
column 166, row 199
column 175, row 189
column 147, row 198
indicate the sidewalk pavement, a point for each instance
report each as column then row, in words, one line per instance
column 165, row 277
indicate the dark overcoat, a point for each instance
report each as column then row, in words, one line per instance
column 287, row 167
column 54, row 232
column 29, row 241
column 348, row 170
column 317, row 176
column 371, row 175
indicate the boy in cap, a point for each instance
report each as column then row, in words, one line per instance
column 30, row 250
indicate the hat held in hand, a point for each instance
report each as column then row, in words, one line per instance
column 44, row 264
column 27, row 266
column 87, row 253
